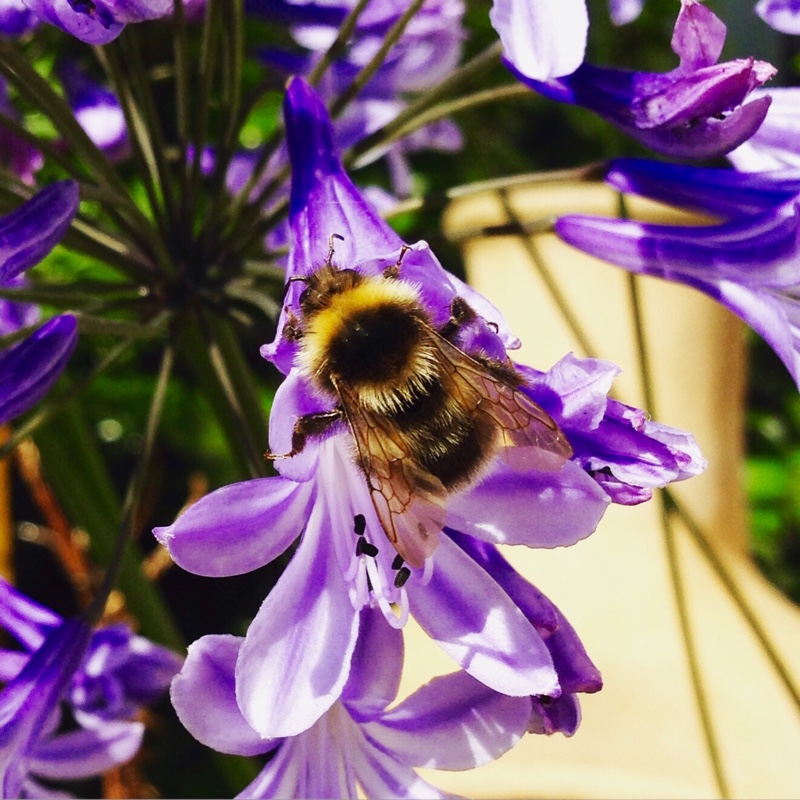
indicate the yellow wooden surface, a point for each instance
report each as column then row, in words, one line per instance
column 641, row 735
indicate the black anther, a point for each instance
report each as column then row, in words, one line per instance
column 366, row 548
column 359, row 524
column 403, row 574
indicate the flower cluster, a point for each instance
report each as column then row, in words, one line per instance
column 409, row 446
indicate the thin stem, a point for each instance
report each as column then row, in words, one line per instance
column 130, row 508
column 544, row 273
column 674, row 506
column 181, row 59
column 362, row 78
column 444, row 110
column 673, row 557
column 679, row 591
column 463, row 76
column 339, row 43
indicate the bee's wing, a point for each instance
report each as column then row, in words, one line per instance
column 411, row 502
column 528, row 434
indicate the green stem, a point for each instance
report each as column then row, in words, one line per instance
column 339, row 43
column 673, row 557
column 362, row 78
column 552, row 287
column 463, row 76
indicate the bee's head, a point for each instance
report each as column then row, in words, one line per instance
column 323, row 285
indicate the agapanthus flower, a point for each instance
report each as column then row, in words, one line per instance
column 452, row 723
column 749, row 263
column 783, row 15
column 100, row 678
column 29, row 369
column 97, row 21
column 696, row 111
column 97, row 109
column 296, row 657
column 776, row 144
column 16, row 18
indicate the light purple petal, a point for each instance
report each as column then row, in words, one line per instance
column 294, row 399
column 783, row 15
column 624, row 11
column 453, row 722
column 296, row 656
column 380, row 775
column 29, row 702
column 542, row 39
column 204, row 697
column 98, row 28
column 377, row 665
column 698, row 36
column 31, row 231
column 239, row 527
column 475, row 622
column 281, row 777
column 85, row 753
column 538, row 509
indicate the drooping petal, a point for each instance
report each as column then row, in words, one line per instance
column 453, row 722
column 542, row 39
column 538, row 509
column 698, row 36
column 239, row 527
column 576, row 672
column 204, row 697
column 31, row 231
column 723, row 192
column 476, row 623
column 86, row 753
column 749, row 266
column 29, row 370
column 296, row 656
column 376, row 668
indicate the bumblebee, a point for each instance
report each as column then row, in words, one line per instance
column 427, row 418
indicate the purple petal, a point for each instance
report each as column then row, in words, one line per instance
column 15, row 18
column 296, row 656
column 543, row 39
column 562, row 715
column 453, row 722
column 476, row 623
column 698, row 36
column 29, row 370
column 724, row 192
column 86, row 753
column 31, row 231
column 294, row 399
column 77, row 20
column 783, row 15
column 27, row 621
column 376, row 667
column 776, row 144
column 204, row 696
column 380, row 775
column 31, row 699
column 239, row 527
column 538, row 509
column 11, row 664
column 576, row 672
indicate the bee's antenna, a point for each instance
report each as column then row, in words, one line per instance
column 329, row 259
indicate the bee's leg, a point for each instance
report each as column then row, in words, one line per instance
column 329, row 259
column 393, row 272
column 306, row 426
column 461, row 312
column 292, row 331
